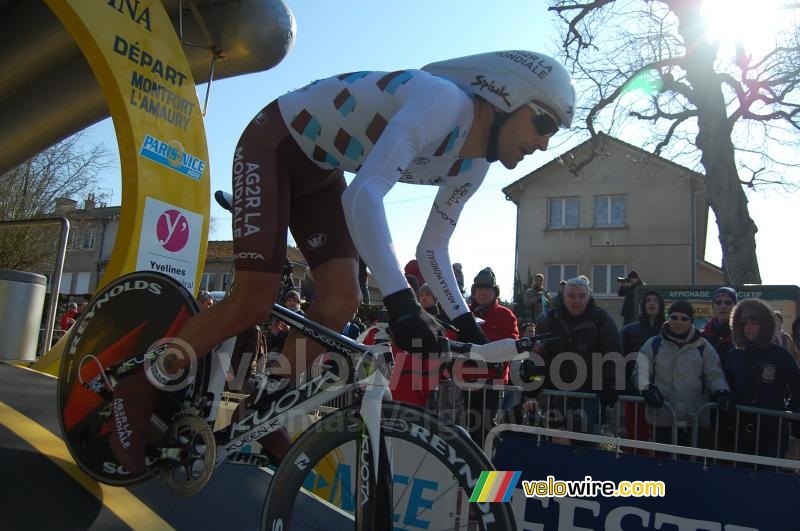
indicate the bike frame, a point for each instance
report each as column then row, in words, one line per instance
column 371, row 390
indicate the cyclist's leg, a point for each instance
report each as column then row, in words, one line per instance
column 260, row 220
column 247, row 305
column 319, row 228
column 337, row 297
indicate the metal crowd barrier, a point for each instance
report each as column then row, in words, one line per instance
column 737, row 435
column 610, row 428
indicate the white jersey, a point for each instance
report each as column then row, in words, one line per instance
column 387, row 127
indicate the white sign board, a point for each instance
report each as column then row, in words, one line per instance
column 170, row 241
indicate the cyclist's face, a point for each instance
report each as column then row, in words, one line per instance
column 519, row 137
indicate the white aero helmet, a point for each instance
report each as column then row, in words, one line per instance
column 508, row 80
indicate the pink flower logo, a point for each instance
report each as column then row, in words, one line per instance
column 172, row 230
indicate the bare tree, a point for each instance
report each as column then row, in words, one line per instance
column 30, row 190
column 719, row 109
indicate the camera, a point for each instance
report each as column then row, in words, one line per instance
column 622, row 280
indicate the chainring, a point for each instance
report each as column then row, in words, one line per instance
column 188, row 455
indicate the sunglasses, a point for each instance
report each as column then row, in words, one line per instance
column 676, row 317
column 723, row 302
column 546, row 124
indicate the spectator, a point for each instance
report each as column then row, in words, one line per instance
column 511, row 398
column 415, row 377
column 428, row 302
column 276, row 335
column 498, row 323
column 413, row 275
column 537, row 299
column 760, row 374
column 204, row 300
column 68, row 319
column 527, row 329
column 307, row 287
column 580, row 327
column 457, row 271
column 680, row 367
column 783, row 338
column 292, row 301
column 627, row 289
column 717, row 331
column 351, row 329
column 558, row 299
column 83, row 304
column 363, row 275
column 632, row 337
column 796, row 332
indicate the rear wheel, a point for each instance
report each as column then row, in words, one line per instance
column 120, row 324
column 435, row 468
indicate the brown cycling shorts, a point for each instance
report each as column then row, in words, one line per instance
column 275, row 186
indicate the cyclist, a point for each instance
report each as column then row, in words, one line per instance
column 441, row 125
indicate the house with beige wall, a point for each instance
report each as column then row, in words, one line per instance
column 606, row 207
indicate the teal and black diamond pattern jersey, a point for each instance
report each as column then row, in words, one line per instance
column 388, row 127
column 337, row 121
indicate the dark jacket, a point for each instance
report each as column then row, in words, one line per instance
column 633, row 336
column 719, row 335
column 628, row 291
column 593, row 331
column 760, row 374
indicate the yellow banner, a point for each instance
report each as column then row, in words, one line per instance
column 132, row 47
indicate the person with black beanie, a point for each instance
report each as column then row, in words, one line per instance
column 717, row 330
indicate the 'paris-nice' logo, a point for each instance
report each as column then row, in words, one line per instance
column 172, row 230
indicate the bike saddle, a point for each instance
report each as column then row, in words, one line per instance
column 224, row 199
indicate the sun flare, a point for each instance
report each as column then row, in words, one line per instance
column 754, row 24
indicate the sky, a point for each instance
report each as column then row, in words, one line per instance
column 349, row 35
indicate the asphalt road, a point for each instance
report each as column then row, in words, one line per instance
column 42, row 487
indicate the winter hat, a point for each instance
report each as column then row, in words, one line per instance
column 292, row 293
column 425, row 289
column 633, row 274
column 485, row 279
column 728, row 292
column 682, row 307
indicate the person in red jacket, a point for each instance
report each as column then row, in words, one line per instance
column 69, row 316
column 499, row 322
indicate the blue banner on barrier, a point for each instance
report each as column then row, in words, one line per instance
column 714, row 497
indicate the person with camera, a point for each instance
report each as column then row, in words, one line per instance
column 627, row 289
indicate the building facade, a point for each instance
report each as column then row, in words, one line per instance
column 605, row 208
